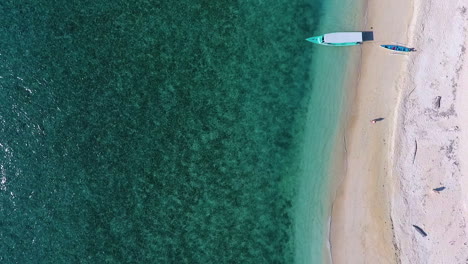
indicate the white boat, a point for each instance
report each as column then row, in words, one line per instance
column 342, row 38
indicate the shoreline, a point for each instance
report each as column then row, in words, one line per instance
column 360, row 221
column 339, row 162
column 339, row 17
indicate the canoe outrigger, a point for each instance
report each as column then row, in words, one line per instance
column 342, row 38
column 397, row 48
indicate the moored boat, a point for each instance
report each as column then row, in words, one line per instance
column 342, row 38
column 397, row 48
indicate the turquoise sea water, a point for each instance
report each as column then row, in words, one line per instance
column 165, row 131
column 333, row 71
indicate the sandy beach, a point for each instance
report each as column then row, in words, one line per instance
column 392, row 166
column 430, row 139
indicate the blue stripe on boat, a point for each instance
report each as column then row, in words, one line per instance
column 397, row 48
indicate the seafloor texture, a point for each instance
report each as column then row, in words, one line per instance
column 151, row 131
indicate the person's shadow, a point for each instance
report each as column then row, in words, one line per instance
column 378, row 119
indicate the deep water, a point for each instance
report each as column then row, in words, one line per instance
column 152, row 131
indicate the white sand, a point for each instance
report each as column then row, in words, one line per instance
column 438, row 68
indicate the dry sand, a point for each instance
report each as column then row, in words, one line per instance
column 431, row 146
column 393, row 165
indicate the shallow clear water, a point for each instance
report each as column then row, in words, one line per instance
column 160, row 131
column 332, row 68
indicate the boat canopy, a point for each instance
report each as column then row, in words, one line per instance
column 343, row 37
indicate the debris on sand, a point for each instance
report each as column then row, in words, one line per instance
column 420, row 230
column 437, row 102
